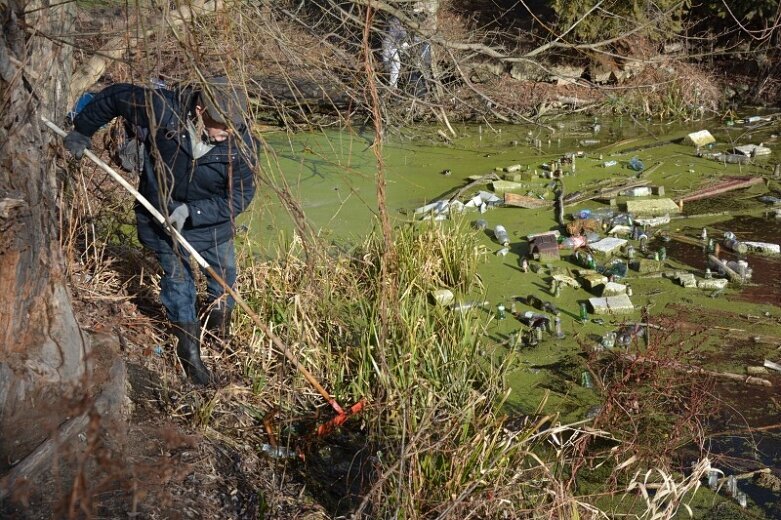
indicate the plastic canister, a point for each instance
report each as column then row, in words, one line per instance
column 734, row 245
column 636, row 164
column 501, row 235
column 713, row 479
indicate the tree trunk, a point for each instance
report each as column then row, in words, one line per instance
column 43, row 354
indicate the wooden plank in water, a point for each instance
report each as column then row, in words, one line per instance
column 524, row 201
column 729, row 184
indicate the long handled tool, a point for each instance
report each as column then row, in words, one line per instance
column 341, row 414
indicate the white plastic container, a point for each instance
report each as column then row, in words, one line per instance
column 501, row 235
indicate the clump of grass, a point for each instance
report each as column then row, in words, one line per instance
column 440, row 443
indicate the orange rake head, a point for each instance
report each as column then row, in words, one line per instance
column 341, row 417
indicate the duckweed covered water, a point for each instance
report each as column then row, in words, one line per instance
column 332, row 175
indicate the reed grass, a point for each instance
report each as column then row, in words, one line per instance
column 441, row 445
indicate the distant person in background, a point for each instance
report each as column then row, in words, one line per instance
column 399, row 48
column 394, row 41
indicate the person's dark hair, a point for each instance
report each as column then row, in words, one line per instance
column 226, row 103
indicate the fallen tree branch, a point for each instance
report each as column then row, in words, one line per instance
column 689, row 369
column 460, row 191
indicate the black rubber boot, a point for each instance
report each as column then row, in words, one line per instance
column 189, row 351
column 218, row 322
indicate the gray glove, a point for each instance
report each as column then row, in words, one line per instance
column 76, row 143
column 178, row 216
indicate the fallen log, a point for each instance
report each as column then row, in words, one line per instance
column 689, row 369
column 732, row 183
column 107, row 404
column 735, row 277
column 455, row 194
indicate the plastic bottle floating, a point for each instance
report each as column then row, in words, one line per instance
column 500, row 233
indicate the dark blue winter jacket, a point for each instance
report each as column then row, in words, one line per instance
column 216, row 187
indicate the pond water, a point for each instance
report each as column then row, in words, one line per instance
column 332, row 176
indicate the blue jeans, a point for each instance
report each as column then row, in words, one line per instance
column 177, row 287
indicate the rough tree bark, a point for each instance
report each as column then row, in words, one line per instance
column 43, row 355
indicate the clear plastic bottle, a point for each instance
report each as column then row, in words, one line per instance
column 732, row 485
column 501, row 235
column 602, row 213
column 278, row 452
column 557, row 327
column 713, row 479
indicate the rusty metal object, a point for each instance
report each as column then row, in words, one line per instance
column 582, row 225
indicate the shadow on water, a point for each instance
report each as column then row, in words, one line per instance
column 745, row 434
column 765, row 286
